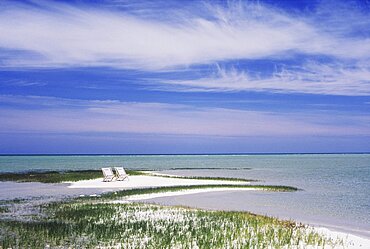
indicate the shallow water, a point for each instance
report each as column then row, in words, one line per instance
column 28, row 190
column 335, row 186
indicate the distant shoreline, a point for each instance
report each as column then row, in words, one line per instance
column 198, row 154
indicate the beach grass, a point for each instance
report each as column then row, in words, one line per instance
column 217, row 178
column 58, row 176
column 51, row 176
column 4, row 209
column 136, row 225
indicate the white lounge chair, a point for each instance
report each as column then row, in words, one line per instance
column 108, row 174
column 121, row 174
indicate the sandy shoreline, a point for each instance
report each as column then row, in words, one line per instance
column 350, row 240
column 143, row 181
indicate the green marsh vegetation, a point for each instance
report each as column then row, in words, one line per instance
column 210, row 168
column 4, row 209
column 57, row 176
column 204, row 177
column 51, row 176
column 95, row 225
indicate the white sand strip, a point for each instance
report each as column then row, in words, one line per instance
column 147, row 182
column 156, row 173
column 181, row 192
column 351, row 241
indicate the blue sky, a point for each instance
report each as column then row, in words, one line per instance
column 184, row 76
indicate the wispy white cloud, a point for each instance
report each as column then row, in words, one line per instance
column 45, row 115
column 54, row 35
column 17, row 82
column 60, row 35
column 312, row 78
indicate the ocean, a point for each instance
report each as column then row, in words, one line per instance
column 334, row 187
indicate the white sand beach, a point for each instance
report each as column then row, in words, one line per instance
column 349, row 240
column 142, row 181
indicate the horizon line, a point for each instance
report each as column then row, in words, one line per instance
column 179, row 154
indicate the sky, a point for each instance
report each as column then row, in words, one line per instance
column 163, row 77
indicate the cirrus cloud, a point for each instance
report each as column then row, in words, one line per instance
column 61, row 35
column 311, row 78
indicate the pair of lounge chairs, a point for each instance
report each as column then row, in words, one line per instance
column 109, row 176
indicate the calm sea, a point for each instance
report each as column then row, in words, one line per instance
column 335, row 187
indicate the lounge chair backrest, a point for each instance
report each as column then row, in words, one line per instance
column 121, row 174
column 121, row 171
column 107, row 172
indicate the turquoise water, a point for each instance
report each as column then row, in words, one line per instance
column 150, row 162
column 335, row 186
